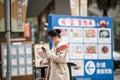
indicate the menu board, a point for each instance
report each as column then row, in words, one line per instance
column 39, row 57
column 22, row 70
column 90, row 40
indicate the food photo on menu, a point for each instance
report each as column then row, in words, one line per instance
column 76, row 34
column 76, row 51
column 90, row 33
column 78, row 69
column 104, row 51
column 104, row 34
column 90, row 51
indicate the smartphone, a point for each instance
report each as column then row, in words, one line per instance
column 43, row 48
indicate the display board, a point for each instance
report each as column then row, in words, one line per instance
column 21, row 59
column 90, row 40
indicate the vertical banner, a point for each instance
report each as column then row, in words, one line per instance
column 78, row 7
column 74, row 6
column 27, row 30
column 83, row 7
column 18, row 9
column 2, row 26
column 90, row 40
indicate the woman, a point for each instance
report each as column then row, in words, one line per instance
column 58, row 68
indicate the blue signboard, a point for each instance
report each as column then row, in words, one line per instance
column 90, row 40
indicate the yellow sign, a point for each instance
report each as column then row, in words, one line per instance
column 19, row 8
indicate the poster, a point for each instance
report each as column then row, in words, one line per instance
column 21, row 70
column 28, row 59
column 4, row 55
column 14, row 60
column 21, row 59
column 21, row 50
column 4, row 71
column 28, row 48
column 29, row 70
column 14, row 50
column 14, row 70
column 90, row 40
column 4, row 50
column 4, row 61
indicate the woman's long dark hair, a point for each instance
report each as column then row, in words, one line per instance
column 54, row 32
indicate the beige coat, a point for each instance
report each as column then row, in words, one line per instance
column 58, row 68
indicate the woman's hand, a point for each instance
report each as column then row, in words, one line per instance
column 45, row 62
column 41, row 50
